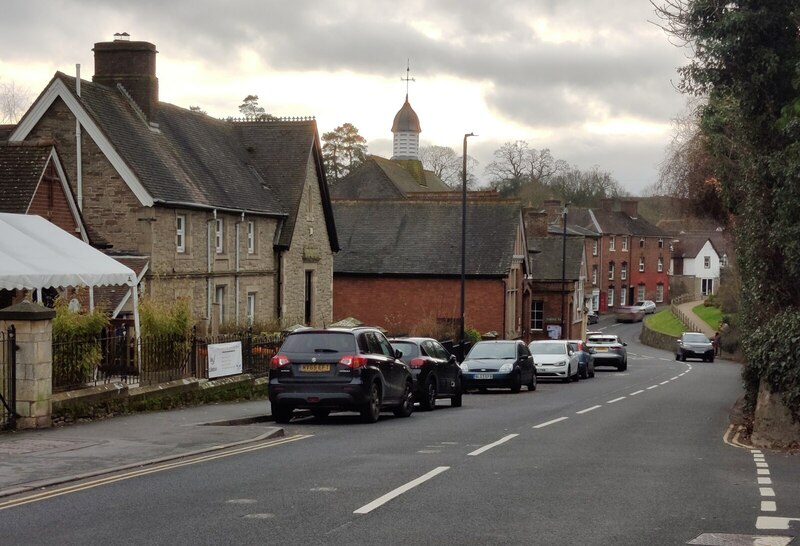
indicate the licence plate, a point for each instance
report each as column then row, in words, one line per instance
column 601, row 349
column 315, row 368
column 483, row 376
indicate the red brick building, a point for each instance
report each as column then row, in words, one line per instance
column 630, row 259
column 399, row 266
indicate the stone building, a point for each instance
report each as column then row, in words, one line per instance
column 231, row 215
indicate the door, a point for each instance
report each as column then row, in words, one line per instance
column 383, row 355
column 447, row 368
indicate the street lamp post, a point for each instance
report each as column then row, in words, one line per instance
column 564, row 273
column 463, row 241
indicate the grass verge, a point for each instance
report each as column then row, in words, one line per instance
column 666, row 323
column 710, row 315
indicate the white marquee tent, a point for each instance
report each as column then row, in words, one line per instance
column 36, row 254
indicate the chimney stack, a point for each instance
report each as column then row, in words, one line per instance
column 554, row 209
column 535, row 222
column 133, row 64
column 630, row 207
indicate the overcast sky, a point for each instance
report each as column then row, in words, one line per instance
column 591, row 80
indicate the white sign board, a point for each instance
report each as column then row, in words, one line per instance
column 224, row 359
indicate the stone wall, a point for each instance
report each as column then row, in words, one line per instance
column 773, row 426
column 310, row 251
column 650, row 337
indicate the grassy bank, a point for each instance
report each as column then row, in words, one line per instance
column 710, row 315
column 666, row 323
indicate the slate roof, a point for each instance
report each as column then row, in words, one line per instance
column 546, row 254
column 109, row 297
column 612, row 222
column 423, row 238
column 6, row 130
column 194, row 160
column 381, row 178
column 21, row 168
column 690, row 247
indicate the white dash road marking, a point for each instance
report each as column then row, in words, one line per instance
column 764, row 481
column 769, row 506
column 367, row 508
column 762, row 465
column 762, row 471
column 664, row 382
column 674, row 378
column 652, row 387
column 587, row 410
column 616, row 400
column 774, row 523
column 637, row 392
column 548, row 423
column 767, row 491
column 487, row 447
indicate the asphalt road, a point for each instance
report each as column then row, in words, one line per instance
column 627, row 458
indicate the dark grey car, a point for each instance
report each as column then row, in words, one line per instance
column 506, row 364
column 694, row 345
column 435, row 371
column 352, row 369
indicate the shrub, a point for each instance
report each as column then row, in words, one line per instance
column 161, row 319
column 772, row 350
column 76, row 344
column 165, row 331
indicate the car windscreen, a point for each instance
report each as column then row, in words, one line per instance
column 409, row 349
column 493, row 350
column 320, row 342
column 548, row 348
column 695, row 338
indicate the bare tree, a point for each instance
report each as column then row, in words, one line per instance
column 445, row 163
column 14, row 101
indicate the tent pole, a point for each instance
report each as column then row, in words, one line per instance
column 136, row 331
column 91, row 299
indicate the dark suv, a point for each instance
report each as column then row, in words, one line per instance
column 353, row 369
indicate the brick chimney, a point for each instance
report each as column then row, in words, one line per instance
column 535, row 222
column 554, row 209
column 630, row 207
column 607, row 204
column 133, row 64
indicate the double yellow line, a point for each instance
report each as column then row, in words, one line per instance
column 49, row 494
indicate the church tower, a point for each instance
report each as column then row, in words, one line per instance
column 406, row 129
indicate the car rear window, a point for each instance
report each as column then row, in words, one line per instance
column 409, row 349
column 606, row 339
column 319, row 342
column 548, row 348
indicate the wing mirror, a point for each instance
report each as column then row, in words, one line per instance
column 398, row 354
column 452, row 359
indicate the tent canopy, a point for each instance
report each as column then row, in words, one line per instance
column 37, row 254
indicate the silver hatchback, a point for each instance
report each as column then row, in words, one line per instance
column 608, row 350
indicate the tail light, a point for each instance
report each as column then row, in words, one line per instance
column 353, row 362
column 616, row 346
column 278, row 361
column 417, row 362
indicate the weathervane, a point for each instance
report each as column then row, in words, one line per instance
column 408, row 77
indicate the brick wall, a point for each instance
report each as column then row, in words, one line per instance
column 398, row 304
column 51, row 203
column 550, row 294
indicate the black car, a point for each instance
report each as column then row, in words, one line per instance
column 352, row 369
column 694, row 345
column 435, row 371
column 499, row 364
column 592, row 317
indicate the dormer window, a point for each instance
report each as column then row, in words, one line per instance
column 612, row 242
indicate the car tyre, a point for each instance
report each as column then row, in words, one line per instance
column 281, row 414
column 711, row 358
column 516, row 383
column 532, row 385
column 677, row 356
column 406, row 407
column 372, row 409
column 457, row 399
column 428, row 400
column 683, row 357
column 622, row 367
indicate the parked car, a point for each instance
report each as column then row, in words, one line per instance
column 648, row 306
column 435, row 371
column 499, row 364
column 583, row 358
column 694, row 345
column 553, row 359
column 592, row 317
column 628, row 313
column 339, row 368
column 607, row 350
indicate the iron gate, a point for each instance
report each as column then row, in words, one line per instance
column 8, row 379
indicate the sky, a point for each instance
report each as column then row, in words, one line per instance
column 593, row 81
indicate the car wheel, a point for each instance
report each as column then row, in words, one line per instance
column 677, row 356
column 372, row 409
column 320, row 414
column 281, row 414
column 532, row 385
column 456, row 400
column 406, row 407
column 428, row 400
column 622, row 367
column 516, row 382
column 711, row 358
column 683, row 357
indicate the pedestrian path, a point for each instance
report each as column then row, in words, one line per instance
column 40, row 458
column 686, row 308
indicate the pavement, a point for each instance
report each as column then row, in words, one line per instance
column 700, row 323
column 45, row 457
